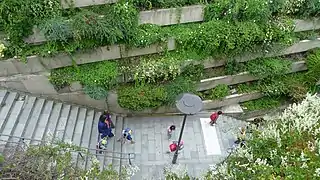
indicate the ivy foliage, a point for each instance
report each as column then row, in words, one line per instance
column 103, row 75
column 263, row 103
column 238, row 10
column 268, row 67
column 140, row 97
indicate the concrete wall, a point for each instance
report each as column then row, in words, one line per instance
column 39, row 85
column 82, row 3
column 299, row 47
column 210, row 83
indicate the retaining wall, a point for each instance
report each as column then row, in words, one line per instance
column 113, row 105
column 210, row 83
column 171, row 16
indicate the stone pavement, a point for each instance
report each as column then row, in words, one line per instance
column 152, row 143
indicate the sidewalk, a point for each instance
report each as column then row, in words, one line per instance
column 151, row 145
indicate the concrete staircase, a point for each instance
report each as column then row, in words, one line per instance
column 33, row 118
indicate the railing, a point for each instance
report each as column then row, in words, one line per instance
column 24, row 143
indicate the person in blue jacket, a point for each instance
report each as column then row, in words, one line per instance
column 104, row 128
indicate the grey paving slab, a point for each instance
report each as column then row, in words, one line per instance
column 62, row 122
column 43, row 121
column 53, row 121
column 33, row 120
column 23, row 118
column 5, row 109
column 151, row 152
column 71, row 124
column 12, row 120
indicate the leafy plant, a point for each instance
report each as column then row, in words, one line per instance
column 194, row 72
column 57, row 29
column 313, row 63
column 232, row 67
column 179, row 85
column 102, row 74
column 240, row 10
column 49, row 161
column 274, row 88
column 268, row 67
column 297, row 92
column 248, row 87
column 263, row 103
column 95, row 92
column 140, row 97
column 219, row 92
column 157, row 70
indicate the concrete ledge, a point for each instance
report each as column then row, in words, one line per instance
column 302, row 46
column 210, row 83
column 83, row 3
column 113, row 105
column 173, row 16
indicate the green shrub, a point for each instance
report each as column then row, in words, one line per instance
column 239, row 10
column 95, row 92
column 178, row 86
column 268, row 67
column 103, row 74
column 157, row 70
column 219, row 92
column 274, row 88
column 263, row 103
column 194, row 72
column 140, row 97
column 313, row 63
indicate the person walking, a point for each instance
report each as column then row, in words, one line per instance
column 174, row 145
column 104, row 128
column 214, row 117
column 106, row 116
column 170, row 130
column 126, row 135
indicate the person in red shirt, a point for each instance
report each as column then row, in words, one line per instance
column 214, row 117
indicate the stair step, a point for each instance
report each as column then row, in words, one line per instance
column 116, row 161
column 23, row 118
column 79, row 127
column 85, row 141
column 94, row 137
column 11, row 122
column 33, row 120
column 5, row 109
column 52, row 123
column 43, row 121
column 108, row 158
column 3, row 94
column 71, row 124
column 78, row 133
column 62, row 122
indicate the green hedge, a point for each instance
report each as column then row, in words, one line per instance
column 86, row 29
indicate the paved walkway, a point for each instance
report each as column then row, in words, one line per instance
column 198, row 153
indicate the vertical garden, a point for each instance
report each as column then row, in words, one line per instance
column 229, row 30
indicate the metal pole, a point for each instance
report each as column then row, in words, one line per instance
column 175, row 157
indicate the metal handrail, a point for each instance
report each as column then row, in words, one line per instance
column 104, row 152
